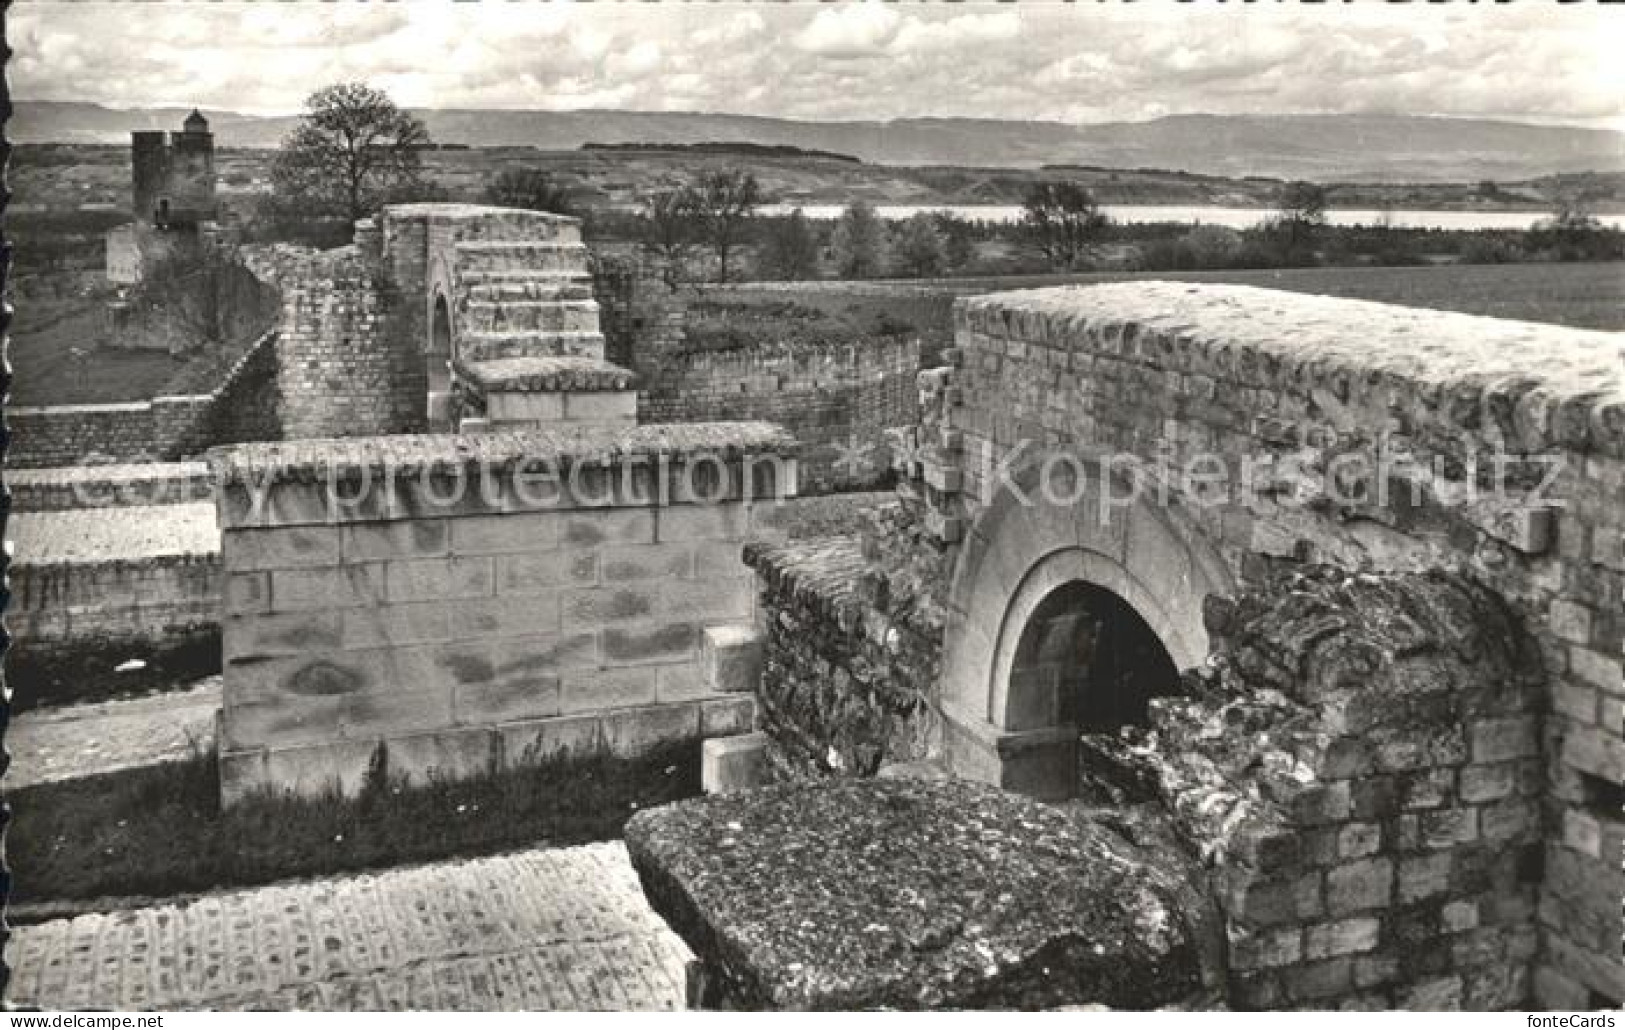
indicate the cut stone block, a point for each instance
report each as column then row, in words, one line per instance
column 730, row 764
column 731, row 658
column 977, row 899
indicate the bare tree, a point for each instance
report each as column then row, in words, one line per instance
column 727, row 200
column 1063, row 220
column 353, row 151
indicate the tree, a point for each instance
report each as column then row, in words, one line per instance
column 859, row 243
column 1212, row 246
column 671, row 230
column 920, row 249
column 529, row 189
column 726, row 200
column 1299, row 217
column 1572, row 232
column 790, row 251
column 958, row 237
column 351, row 153
column 1062, row 220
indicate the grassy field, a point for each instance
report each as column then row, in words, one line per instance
column 1586, row 296
column 158, row 831
column 59, row 355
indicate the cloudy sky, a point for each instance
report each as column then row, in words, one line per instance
column 1528, row 60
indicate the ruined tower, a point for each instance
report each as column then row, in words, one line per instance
column 172, row 175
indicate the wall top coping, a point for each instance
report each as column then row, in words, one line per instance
column 64, row 410
column 260, row 464
column 111, row 472
column 547, row 373
column 1309, row 337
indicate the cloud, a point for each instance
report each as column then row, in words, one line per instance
column 844, row 60
column 852, row 29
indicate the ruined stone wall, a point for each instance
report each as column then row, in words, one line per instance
column 343, row 365
column 851, row 645
column 1171, row 372
column 244, row 407
column 838, row 401
column 1362, row 770
column 555, row 601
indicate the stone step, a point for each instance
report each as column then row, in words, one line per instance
column 732, row 764
column 507, row 287
column 499, row 231
column 537, row 343
column 531, row 315
column 526, row 256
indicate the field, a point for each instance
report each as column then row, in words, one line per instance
column 1586, row 296
column 60, row 361
column 59, row 355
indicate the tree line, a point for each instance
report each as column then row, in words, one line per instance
column 355, row 151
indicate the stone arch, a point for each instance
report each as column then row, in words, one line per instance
column 438, row 355
column 1023, row 548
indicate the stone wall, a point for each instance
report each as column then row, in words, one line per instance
column 1169, row 373
column 73, row 622
column 244, row 407
column 838, row 401
column 346, row 364
column 1362, row 769
column 852, row 640
column 114, row 601
column 556, row 602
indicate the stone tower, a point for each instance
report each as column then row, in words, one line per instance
column 173, row 175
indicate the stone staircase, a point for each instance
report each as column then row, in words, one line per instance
column 529, row 349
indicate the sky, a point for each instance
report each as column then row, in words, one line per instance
column 1526, row 60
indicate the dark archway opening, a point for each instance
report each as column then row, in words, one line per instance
column 439, row 366
column 1088, row 660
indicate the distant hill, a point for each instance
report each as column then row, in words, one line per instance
column 1368, row 148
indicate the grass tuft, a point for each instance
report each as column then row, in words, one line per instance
column 159, row 830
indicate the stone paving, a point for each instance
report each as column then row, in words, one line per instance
column 565, row 928
column 51, row 744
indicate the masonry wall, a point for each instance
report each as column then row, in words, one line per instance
column 1153, row 369
column 492, row 628
column 851, row 646
column 344, row 365
column 66, row 603
column 838, row 400
column 1362, row 759
column 72, row 623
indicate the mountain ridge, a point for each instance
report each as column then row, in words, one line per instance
column 1327, row 147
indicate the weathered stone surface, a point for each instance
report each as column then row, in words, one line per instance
column 852, row 648
column 1339, row 762
column 912, row 894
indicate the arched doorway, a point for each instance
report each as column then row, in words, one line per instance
column 1087, row 659
column 439, row 366
column 1035, row 585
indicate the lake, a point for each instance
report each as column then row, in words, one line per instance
column 1233, row 217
